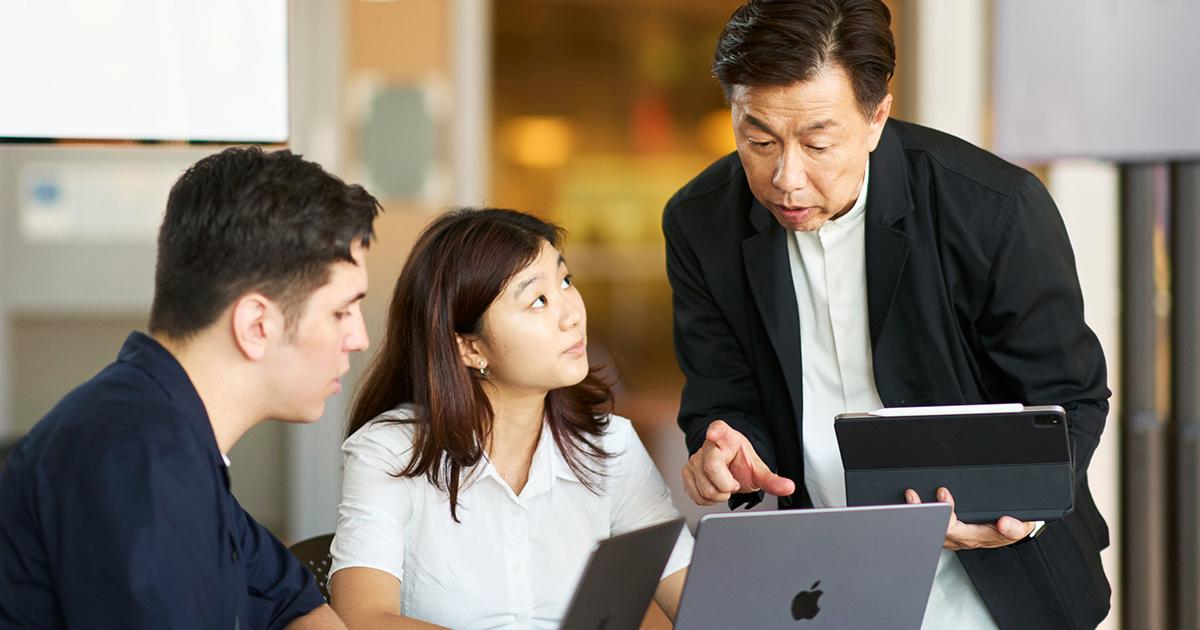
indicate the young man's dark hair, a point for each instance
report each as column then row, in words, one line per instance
column 117, row 505
column 245, row 219
column 780, row 42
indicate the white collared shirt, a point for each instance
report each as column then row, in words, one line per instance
column 514, row 560
column 830, row 280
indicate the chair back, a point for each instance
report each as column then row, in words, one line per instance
column 314, row 553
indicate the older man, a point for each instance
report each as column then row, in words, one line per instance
column 841, row 261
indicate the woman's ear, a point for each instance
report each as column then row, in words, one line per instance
column 471, row 352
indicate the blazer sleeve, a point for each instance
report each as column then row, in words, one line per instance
column 719, row 382
column 1032, row 327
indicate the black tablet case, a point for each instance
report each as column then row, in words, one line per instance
column 995, row 464
column 621, row 577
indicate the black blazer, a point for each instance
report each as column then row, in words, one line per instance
column 972, row 297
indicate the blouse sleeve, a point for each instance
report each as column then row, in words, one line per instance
column 642, row 498
column 375, row 505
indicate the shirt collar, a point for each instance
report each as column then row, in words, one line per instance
column 144, row 352
column 547, row 465
column 558, row 463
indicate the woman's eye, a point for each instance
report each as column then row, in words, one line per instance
column 539, row 302
column 567, row 281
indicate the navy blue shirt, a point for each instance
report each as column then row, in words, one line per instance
column 115, row 511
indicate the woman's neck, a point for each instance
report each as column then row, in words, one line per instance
column 516, row 419
column 516, row 429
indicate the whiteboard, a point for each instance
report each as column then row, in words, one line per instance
column 211, row 70
column 1109, row 79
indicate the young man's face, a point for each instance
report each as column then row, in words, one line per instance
column 307, row 366
column 805, row 146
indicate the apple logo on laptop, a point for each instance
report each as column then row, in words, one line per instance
column 804, row 606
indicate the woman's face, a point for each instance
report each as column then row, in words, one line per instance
column 534, row 336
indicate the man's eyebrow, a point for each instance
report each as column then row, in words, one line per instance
column 755, row 122
column 355, row 299
column 816, row 126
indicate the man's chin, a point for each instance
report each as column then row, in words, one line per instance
column 308, row 417
column 805, row 221
column 807, row 225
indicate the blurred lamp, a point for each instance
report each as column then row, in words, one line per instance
column 716, row 132
column 536, row 141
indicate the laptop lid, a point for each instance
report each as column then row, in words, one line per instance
column 620, row 579
column 814, row 569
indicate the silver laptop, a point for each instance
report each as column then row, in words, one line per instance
column 620, row 579
column 862, row 567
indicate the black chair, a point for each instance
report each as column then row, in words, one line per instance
column 314, row 553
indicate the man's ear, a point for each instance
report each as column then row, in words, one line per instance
column 471, row 352
column 879, row 119
column 256, row 321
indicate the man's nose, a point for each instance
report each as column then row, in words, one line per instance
column 790, row 175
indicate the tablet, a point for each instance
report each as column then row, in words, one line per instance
column 621, row 577
column 997, row 460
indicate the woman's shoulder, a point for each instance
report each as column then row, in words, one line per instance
column 619, row 434
column 619, row 428
column 627, row 454
column 392, row 430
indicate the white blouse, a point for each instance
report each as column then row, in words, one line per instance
column 514, row 560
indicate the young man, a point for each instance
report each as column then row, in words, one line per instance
column 842, row 260
column 117, row 508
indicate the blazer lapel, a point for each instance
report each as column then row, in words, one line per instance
column 887, row 241
column 769, row 274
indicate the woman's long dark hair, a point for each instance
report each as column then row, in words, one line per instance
column 457, row 268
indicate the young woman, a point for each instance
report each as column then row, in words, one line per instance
column 482, row 462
